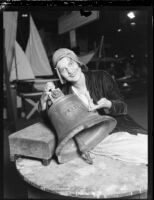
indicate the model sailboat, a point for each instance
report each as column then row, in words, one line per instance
column 21, row 68
column 38, row 59
column 32, row 64
column 87, row 57
column 36, row 54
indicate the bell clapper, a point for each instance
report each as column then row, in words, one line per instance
column 84, row 154
column 87, row 158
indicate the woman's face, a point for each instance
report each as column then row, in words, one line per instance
column 69, row 69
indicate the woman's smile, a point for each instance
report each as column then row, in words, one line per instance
column 73, row 74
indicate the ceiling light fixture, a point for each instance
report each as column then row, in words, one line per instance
column 131, row 15
column 133, row 23
column 119, row 30
column 24, row 15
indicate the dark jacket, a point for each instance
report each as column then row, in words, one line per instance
column 100, row 84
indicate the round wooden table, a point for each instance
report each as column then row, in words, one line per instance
column 106, row 178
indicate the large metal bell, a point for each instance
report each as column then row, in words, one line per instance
column 71, row 119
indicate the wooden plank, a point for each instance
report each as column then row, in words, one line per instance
column 74, row 20
column 11, row 94
column 73, row 39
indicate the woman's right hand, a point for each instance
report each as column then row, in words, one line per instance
column 45, row 94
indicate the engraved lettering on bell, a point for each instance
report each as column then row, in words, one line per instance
column 69, row 112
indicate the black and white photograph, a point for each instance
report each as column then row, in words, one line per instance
column 75, row 102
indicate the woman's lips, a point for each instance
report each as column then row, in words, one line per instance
column 72, row 75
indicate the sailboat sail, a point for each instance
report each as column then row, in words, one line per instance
column 36, row 53
column 87, row 58
column 21, row 69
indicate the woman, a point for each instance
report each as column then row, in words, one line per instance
column 107, row 100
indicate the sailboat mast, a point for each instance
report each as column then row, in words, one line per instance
column 15, row 59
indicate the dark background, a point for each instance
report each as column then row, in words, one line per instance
column 133, row 43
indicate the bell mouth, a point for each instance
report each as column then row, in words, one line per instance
column 91, row 133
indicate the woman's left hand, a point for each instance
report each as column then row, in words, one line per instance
column 102, row 103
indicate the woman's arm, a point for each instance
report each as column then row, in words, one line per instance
column 112, row 93
column 105, row 93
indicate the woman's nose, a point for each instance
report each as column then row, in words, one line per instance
column 69, row 70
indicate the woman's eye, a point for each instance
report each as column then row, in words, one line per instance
column 71, row 63
column 62, row 70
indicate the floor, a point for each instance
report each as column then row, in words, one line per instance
column 15, row 187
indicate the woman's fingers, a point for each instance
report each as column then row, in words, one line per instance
column 95, row 107
column 49, row 86
column 46, row 93
column 101, row 101
column 99, row 105
column 104, row 103
column 44, row 99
